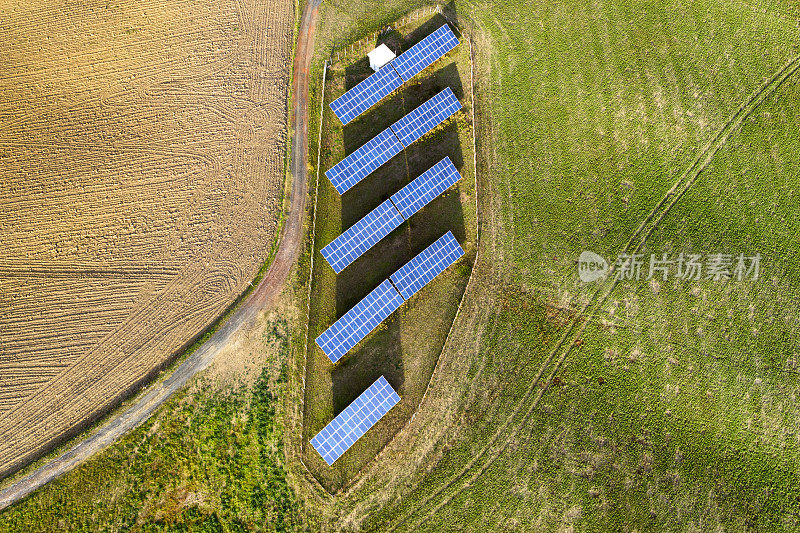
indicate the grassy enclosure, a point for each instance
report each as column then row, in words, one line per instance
column 406, row 346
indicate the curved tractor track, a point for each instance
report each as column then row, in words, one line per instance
column 269, row 287
column 487, row 455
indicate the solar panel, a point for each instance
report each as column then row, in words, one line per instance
column 426, row 117
column 363, row 161
column 362, row 236
column 431, row 262
column 425, row 188
column 421, row 55
column 366, row 94
column 356, row 324
column 356, row 419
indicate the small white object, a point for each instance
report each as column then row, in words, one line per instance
column 380, row 56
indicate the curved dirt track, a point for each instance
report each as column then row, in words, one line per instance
column 270, row 286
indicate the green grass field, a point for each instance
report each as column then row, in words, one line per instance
column 406, row 346
column 676, row 407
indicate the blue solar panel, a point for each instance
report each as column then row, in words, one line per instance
column 362, row 236
column 356, row 324
column 356, row 419
column 426, row 117
column 364, row 161
column 431, row 262
column 366, row 94
column 421, row 55
column 425, row 188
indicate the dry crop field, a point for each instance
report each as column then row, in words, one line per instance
column 141, row 179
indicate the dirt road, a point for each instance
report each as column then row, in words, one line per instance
column 262, row 295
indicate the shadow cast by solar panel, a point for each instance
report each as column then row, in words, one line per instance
column 353, row 376
column 413, row 94
column 357, row 72
column 428, row 27
column 382, row 352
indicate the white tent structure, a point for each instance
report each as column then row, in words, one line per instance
column 380, row 56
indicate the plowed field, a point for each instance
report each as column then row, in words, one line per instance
column 141, row 177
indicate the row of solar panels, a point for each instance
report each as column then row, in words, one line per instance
column 355, row 420
column 382, row 220
column 365, row 411
column 359, row 321
column 392, row 140
column 358, row 417
column 392, row 75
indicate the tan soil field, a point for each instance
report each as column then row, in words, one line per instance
column 142, row 173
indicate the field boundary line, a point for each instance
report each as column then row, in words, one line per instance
column 700, row 163
column 474, row 146
column 311, row 277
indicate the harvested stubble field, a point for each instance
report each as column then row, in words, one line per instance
column 142, row 172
